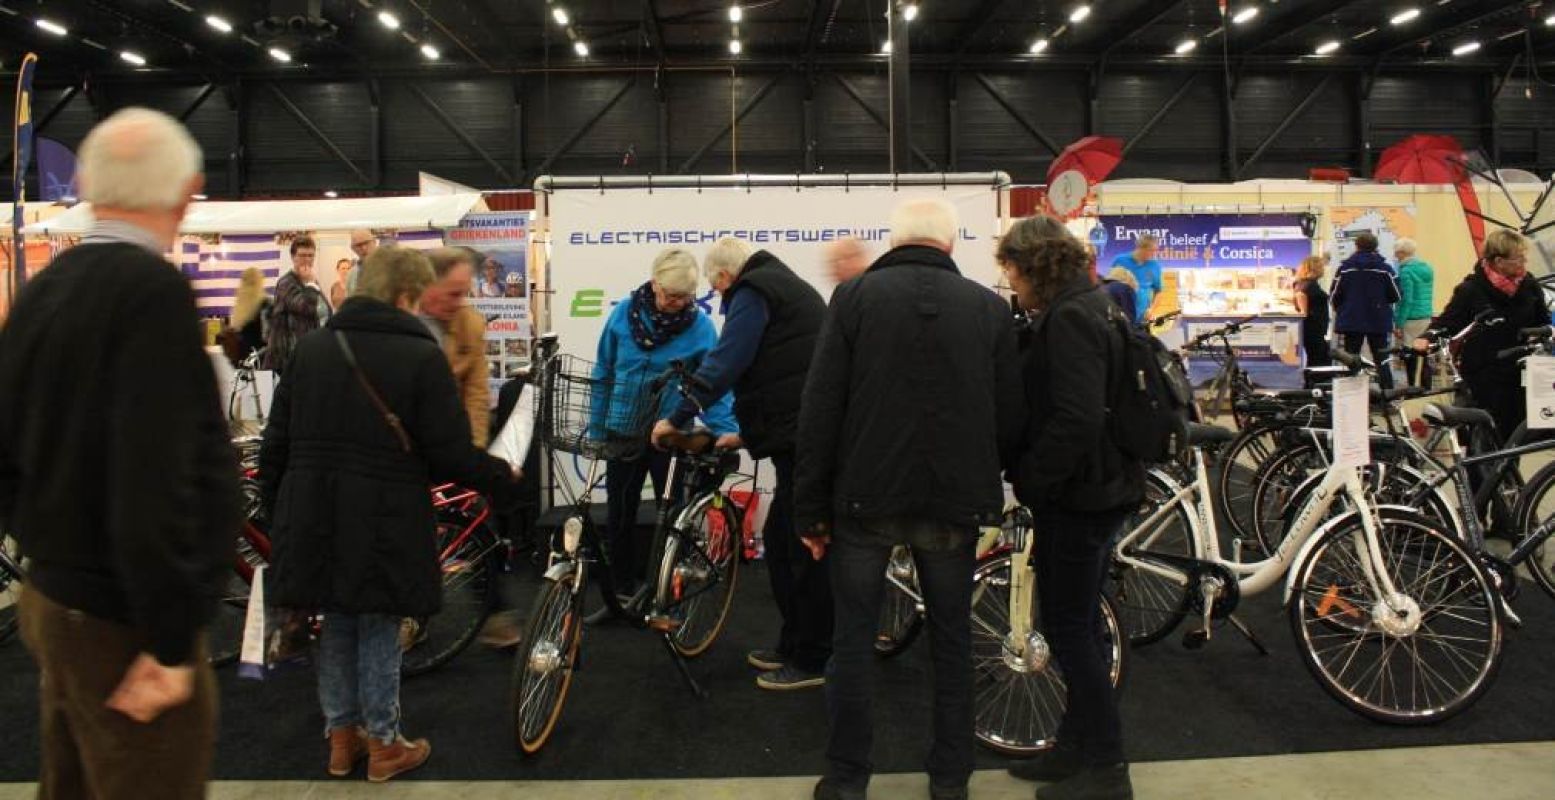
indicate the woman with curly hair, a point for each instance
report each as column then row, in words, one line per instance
column 1079, row 487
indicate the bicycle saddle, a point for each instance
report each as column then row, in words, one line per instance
column 692, row 443
column 1455, row 416
column 1201, row 435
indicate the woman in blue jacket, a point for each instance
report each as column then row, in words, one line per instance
column 658, row 323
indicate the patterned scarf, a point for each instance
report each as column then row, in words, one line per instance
column 665, row 326
column 1508, row 286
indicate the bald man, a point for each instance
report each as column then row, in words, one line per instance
column 847, row 259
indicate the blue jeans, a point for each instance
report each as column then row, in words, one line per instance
column 945, row 559
column 359, row 673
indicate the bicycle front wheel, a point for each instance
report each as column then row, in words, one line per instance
column 1239, row 465
column 698, row 575
column 430, row 642
column 542, row 670
column 1415, row 657
column 901, row 617
column 1019, row 694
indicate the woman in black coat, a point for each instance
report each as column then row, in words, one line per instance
column 349, row 489
column 1500, row 281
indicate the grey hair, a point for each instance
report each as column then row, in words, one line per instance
column 1406, row 246
column 675, row 270
column 727, row 257
column 139, row 160
column 925, row 219
column 391, row 273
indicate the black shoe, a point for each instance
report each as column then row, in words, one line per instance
column 765, row 660
column 947, row 792
column 1056, row 764
column 789, row 678
column 1093, row 783
column 828, row 789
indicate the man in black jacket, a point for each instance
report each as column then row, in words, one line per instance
column 912, row 404
column 119, row 480
column 771, row 320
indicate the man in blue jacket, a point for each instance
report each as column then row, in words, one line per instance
column 1365, row 289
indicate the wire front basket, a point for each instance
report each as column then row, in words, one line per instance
column 592, row 416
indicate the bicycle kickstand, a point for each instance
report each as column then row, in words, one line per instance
column 680, row 664
column 1252, row 638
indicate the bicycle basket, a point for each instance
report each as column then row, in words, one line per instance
column 594, row 417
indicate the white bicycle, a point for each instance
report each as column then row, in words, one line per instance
column 1393, row 617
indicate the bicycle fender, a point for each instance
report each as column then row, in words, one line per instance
column 560, row 569
column 1317, row 536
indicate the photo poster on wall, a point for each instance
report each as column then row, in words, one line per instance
column 1388, row 224
column 501, row 289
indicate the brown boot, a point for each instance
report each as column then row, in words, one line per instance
column 399, row 756
column 347, row 746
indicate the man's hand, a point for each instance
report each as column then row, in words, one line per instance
column 1422, row 345
column 816, row 540
column 518, row 474
column 729, row 441
column 148, row 689
column 662, row 430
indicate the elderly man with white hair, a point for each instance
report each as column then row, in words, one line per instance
column 118, row 479
column 1412, row 315
column 846, row 259
column 771, row 319
column 913, row 404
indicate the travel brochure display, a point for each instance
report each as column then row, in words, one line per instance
column 501, row 291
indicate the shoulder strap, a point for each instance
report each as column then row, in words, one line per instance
column 372, row 394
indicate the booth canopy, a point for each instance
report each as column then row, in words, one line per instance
column 269, row 216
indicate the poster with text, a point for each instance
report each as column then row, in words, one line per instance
column 501, row 289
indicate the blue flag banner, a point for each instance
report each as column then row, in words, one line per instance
column 56, row 171
column 20, row 161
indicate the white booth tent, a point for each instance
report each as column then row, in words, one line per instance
column 271, row 216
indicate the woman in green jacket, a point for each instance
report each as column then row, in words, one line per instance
column 1412, row 315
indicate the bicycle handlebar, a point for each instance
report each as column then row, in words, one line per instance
column 1228, row 329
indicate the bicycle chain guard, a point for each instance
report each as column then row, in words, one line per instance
column 1198, row 570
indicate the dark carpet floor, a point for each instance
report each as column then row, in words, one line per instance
column 629, row 716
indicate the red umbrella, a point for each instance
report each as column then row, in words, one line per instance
column 1093, row 156
column 1426, row 158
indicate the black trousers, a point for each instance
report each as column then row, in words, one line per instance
column 1506, row 401
column 945, row 559
column 623, row 496
column 1378, row 342
column 800, row 585
column 1317, row 352
column 1070, row 555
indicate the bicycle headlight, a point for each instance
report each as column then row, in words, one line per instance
column 572, row 533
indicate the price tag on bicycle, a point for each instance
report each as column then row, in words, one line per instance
column 1352, row 412
column 1539, row 380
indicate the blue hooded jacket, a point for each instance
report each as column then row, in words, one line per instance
column 622, row 360
column 1365, row 289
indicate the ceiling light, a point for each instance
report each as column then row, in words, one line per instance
column 560, row 15
column 1186, row 46
column 52, row 27
column 1404, row 16
column 389, row 20
column 886, row 48
column 581, row 48
column 219, row 24
column 1363, row 34
column 1327, row 47
column 1465, row 48
column 331, row 193
column 1039, row 45
column 1550, row 20
column 1245, row 15
column 133, row 58
column 734, row 46
column 910, row 13
column 280, row 55
column 1079, row 14
column 736, row 14
column 430, row 52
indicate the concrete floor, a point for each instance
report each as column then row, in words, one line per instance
column 1481, row 772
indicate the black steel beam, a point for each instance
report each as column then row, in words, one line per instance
column 1029, row 126
column 43, row 122
column 1363, row 125
column 900, row 83
column 1300, row 17
column 1458, row 24
column 655, row 30
column 1289, row 120
column 1161, row 112
column 966, row 35
column 874, row 114
column 318, row 135
column 746, row 108
column 577, row 136
column 1147, row 17
column 205, row 94
column 461, row 134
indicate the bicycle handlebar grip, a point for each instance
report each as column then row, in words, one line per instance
column 1515, row 352
column 1541, row 332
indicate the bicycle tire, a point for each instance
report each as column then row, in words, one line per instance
column 1275, row 488
column 1541, row 563
column 468, row 592
column 901, row 620
column 1239, row 464
column 1041, row 684
column 10, row 586
column 1149, row 606
column 683, row 567
column 543, row 668
column 1323, row 577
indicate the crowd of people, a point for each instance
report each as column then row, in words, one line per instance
column 894, row 414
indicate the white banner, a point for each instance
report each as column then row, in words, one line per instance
column 1539, row 380
column 1352, row 418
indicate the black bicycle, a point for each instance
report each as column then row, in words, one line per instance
column 10, row 586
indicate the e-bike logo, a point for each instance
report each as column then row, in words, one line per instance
column 588, row 303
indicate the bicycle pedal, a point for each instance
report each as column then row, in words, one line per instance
column 664, row 624
column 1195, row 639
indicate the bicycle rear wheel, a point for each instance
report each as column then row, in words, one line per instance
column 1239, row 465
column 1535, row 514
column 1019, row 697
column 467, row 576
column 542, row 670
column 901, row 617
column 10, row 586
column 699, row 573
column 1417, row 657
column 1150, row 606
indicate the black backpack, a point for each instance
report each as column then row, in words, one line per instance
column 1150, row 400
